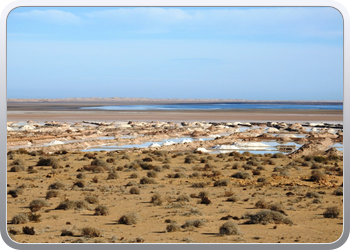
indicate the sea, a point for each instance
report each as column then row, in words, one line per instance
column 220, row 106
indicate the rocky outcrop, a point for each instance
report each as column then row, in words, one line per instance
column 314, row 147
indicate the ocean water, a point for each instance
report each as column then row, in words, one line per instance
column 221, row 106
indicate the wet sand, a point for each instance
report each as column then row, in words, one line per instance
column 71, row 112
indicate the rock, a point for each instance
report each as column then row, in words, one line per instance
column 312, row 148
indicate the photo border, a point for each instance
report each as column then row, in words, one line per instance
column 172, row 3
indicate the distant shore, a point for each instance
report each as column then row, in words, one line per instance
column 70, row 111
column 93, row 101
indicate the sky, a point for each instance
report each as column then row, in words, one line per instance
column 255, row 53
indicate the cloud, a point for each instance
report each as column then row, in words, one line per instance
column 51, row 16
column 322, row 22
column 148, row 14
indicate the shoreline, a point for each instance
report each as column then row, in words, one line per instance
column 178, row 116
column 70, row 111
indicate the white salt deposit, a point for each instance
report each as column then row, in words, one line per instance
column 225, row 147
column 250, row 145
column 201, row 150
column 285, row 136
column 154, row 145
column 168, row 143
column 55, row 142
column 214, row 136
column 9, row 129
column 186, row 141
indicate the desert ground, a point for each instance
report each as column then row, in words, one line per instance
column 83, row 178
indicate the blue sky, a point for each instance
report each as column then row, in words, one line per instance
column 261, row 53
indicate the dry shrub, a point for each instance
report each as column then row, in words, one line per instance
column 28, row 230
column 91, row 232
column 17, row 168
column 131, row 183
column 312, row 194
column 99, row 162
column 177, row 175
column 15, row 192
column 129, row 219
column 199, row 185
column 81, row 176
column 66, row 232
column 194, row 223
column 229, row 228
column 146, row 180
column 173, row 227
column 134, row 190
column 134, row 176
column 278, row 155
column 91, row 199
column 20, row 218
column 338, row 191
column 112, row 176
column 317, row 175
column 233, row 198
column 48, row 161
column 262, row 204
column 36, row 205
column 90, row 156
column 183, row 197
column 80, row 184
column 331, row 212
column 263, row 180
column 57, row 185
column 157, row 199
column 101, row 210
column 242, row 175
column 110, row 160
column 152, row 174
column 267, row 216
column 68, row 205
column 220, row 183
column 147, row 166
column 205, row 200
column 203, row 194
column 34, row 217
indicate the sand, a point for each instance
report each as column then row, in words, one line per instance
column 71, row 112
column 177, row 173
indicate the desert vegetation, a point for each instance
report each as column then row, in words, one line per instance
column 173, row 196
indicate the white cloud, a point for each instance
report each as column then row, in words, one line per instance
column 274, row 20
column 149, row 14
column 52, row 16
